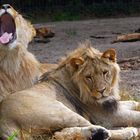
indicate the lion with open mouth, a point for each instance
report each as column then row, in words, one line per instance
column 8, row 26
column 14, row 29
column 19, row 69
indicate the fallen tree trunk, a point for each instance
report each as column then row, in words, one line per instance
column 44, row 32
column 127, row 38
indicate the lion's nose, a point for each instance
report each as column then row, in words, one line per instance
column 101, row 91
column 6, row 6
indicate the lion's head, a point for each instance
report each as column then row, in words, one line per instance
column 14, row 29
column 95, row 74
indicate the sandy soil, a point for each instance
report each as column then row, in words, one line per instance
column 68, row 34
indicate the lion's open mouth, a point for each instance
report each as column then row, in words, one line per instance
column 7, row 29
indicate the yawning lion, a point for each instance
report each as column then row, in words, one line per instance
column 19, row 69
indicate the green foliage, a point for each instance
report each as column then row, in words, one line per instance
column 57, row 10
column 12, row 137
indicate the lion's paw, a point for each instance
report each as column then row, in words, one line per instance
column 97, row 133
column 131, row 132
column 100, row 134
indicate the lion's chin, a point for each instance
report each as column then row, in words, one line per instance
column 109, row 104
column 7, row 29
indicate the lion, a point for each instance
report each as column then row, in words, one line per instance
column 74, row 101
column 19, row 69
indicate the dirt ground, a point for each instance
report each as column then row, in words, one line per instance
column 100, row 32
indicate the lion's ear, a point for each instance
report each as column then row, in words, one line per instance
column 110, row 54
column 76, row 62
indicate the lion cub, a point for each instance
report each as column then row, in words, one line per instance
column 81, row 91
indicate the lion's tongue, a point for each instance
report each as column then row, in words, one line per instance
column 5, row 38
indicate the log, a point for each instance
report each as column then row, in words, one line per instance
column 127, row 38
column 44, row 32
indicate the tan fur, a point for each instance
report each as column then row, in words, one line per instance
column 65, row 101
column 94, row 68
column 19, row 69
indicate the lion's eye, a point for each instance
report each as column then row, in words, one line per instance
column 89, row 78
column 105, row 72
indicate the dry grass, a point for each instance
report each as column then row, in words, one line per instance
column 29, row 136
column 125, row 95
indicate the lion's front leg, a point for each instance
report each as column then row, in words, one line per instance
column 83, row 133
column 55, row 116
column 132, row 105
column 124, row 117
column 75, row 127
column 124, row 133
